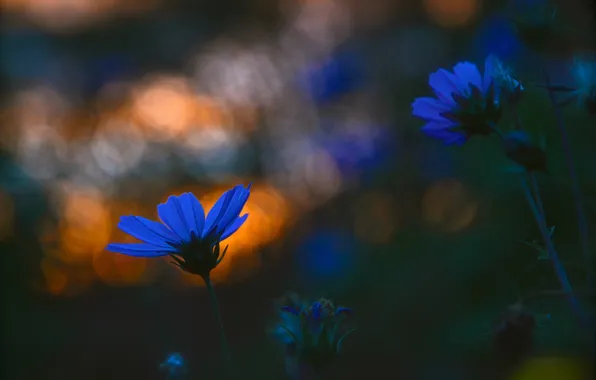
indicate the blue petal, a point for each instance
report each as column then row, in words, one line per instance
column 441, row 131
column 490, row 68
column 234, row 227
column 148, row 231
column 467, row 73
column 172, row 215
column 444, row 84
column 236, row 206
column 140, row 250
column 193, row 213
column 218, row 210
column 429, row 108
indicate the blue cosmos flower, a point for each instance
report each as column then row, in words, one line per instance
column 465, row 104
column 174, row 367
column 313, row 332
column 583, row 91
column 185, row 234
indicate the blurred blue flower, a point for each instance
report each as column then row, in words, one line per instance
column 359, row 152
column 497, row 37
column 186, row 235
column 327, row 255
column 465, row 104
column 339, row 75
column 174, row 367
column 313, row 332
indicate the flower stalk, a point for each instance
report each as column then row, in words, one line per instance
column 225, row 349
column 534, row 199
column 577, row 195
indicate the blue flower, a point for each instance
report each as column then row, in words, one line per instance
column 174, row 367
column 185, row 234
column 465, row 104
column 313, row 332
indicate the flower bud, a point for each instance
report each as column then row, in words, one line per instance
column 174, row 366
column 520, row 148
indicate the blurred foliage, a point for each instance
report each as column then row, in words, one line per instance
column 110, row 106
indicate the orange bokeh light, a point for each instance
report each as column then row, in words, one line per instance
column 85, row 225
column 165, row 106
column 452, row 13
column 447, row 204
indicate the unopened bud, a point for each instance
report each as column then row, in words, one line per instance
column 520, row 148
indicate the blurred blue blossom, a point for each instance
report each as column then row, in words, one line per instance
column 327, row 255
column 174, row 367
column 359, row 152
column 465, row 104
column 108, row 69
column 313, row 332
column 497, row 37
column 341, row 74
column 186, row 235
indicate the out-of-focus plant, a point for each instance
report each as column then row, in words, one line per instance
column 312, row 333
column 174, row 367
column 467, row 93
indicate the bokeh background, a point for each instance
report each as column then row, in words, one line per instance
column 109, row 106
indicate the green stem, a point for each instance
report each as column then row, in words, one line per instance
column 535, row 202
column 577, row 194
column 222, row 332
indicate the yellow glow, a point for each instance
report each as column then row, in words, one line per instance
column 452, row 13
column 553, row 368
column 68, row 14
column 119, row 270
column 56, row 276
column 85, row 225
column 447, row 205
column 165, row 106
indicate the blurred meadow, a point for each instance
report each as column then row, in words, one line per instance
column 107, row 107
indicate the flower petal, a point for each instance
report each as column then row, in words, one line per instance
column 140, row 250
column 236, row 206
column 429, row 108
column 467, row 73
column 194, row 213
column 148, row 231
column 491, row 65
column 444, row 84
column 440, row 131
column 172, row 215
column 234, row 227
column 219, row 209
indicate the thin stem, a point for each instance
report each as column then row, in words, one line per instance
column 518, row 123
column 577, row 195
column 555, row 293
column 537, row 208
column 222, row 332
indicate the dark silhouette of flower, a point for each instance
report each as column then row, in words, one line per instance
column 521, row 149
column 506, row 86
column 313, row 332
column 465, row 105
column 185, row 234
column 174, row 367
